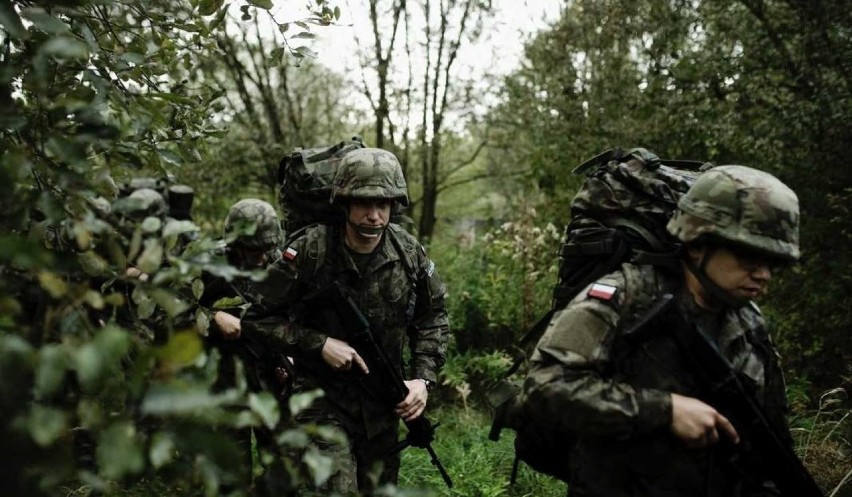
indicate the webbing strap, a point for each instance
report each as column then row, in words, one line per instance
column 586, row 248
column 649, row 237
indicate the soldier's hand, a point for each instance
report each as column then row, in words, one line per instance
column 698, row 424
column 340, row 356
column 413, row 405
column 229, row 325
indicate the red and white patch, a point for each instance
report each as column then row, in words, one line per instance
column 290, row 253
column 602, row 291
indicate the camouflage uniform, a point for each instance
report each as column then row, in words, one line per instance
column 251, row 224
column 616, row 397
column 399, row 292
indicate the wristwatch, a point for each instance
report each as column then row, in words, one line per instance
column 429, row 384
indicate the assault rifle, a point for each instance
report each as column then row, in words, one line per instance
column 761, row 451
column 421, row 431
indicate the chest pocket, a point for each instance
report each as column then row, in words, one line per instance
column 386, row 297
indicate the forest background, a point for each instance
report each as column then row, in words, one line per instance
column 209, row 94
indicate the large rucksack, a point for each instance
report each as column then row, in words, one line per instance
column 305, row 178
column 618, row 215
column 304, row 184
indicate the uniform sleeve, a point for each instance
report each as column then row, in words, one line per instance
column 274, row 315
column 568, row 381
column 429, row 330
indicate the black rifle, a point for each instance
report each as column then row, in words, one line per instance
column 421, row 431
column 265, row 358
column 761, row 451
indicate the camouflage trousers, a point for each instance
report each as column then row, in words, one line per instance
column 360, row 465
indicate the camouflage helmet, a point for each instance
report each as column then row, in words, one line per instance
column 742, row 205
column 145, row 202
column 369, row 173
column 253, row 223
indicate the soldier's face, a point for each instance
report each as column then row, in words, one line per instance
column 743, row 274
column 252, row 258
column 369, row 213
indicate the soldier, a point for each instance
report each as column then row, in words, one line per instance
column 252, row 240
column 388, row 275
column 642, row 429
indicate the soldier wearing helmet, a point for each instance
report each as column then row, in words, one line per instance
column 389, row 277
column 253, row 233
column 252, row 240
column 635, row 407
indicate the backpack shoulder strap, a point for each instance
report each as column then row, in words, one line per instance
column 315, row 242
column 407, row 247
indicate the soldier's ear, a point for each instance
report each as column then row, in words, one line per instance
column 696, row 252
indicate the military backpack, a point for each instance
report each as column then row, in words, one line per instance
column 618, row 215
column 305, row 177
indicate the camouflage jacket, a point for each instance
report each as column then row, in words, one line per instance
column 396, row 303
column 617, row 399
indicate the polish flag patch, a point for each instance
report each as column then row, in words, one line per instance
column 602, row 291
column 290, row 253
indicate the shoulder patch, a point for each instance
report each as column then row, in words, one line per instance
column 602, row 291
column 431, row 269
column 289, row 254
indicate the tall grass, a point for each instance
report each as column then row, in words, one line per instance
column 478, row 466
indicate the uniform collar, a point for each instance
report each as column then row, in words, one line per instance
column 385, row 253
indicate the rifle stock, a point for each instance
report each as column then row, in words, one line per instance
column 759, row 440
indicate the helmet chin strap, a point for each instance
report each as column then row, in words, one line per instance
column 369, row 231
column 713, row 290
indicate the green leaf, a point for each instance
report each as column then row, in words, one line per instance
column 118, row 452
column 133, row 58
column 145, row 309
column 97, row 360
column 173, row 98
column 11, row 22
column 170, row 157
column 94, row 299
column 228, row 303
column 337, row 12
column 151, row 224
column 151, row 258
column 209, row 7
column 168, row 301
column 46, row 424
column 202, row 322
column 320, row 465
column 180, row 399
column 66, row 47
column 197, row 288
column 265, row 406
column 53, row 284
column 304, row 35
column 263, row 4
column 52, row 362
column 176, row 227
column 45, row 22
column 301, row 401
column 294, row 438
column 305, row 52
column 181, row 350
column 162, row 449
column 215, row 23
